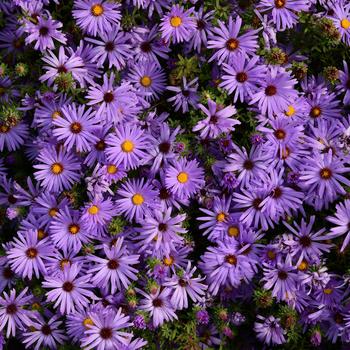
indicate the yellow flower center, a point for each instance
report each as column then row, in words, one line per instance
column 303, row 265
column 290, row 111
column 146, row 81
column 4, row 129
column 53, row 212
column 127, row 146
column 73, row 229
column 94, row 209
column 97, row 10
column 345, row 23
column 56, row 168
column 112, row 169
column 88, row 322
column 168, row 261
column 137, row 199
column 233, row 231
column 175, row 21
column 64, row 263
column 271, row 255
column 56, row 114
column 182, row 177
column 41, row 233
column 328, row 291
column 221, row 217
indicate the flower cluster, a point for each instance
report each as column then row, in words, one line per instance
column 174, row 174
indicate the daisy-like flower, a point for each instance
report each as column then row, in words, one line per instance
column 158, row 305
column 218, row 120
column 276, row 92
column 43, row 32
column 284, row 12
column 127, row 146
column 114, row 271
column 105, row 332
column 307, row 245
column 136, row 198
column 76, row 127
column 67, row 230
column 282, row 279
column 341, row 219
column 96, row 17
column 113, row 47
column 341, row 19
column 242, row 77
column 185, row 286
column 28, row 254
column 344, row 85
column 323, row 105
column 12, row 137
column 322, row 175
column 45, row 334
column 269, row 330
column 177, row 25
column 63, row 64
column 229, row 44
column 57, row 170
column 162, row 230
column 185, row 96
column 98, row 212
column 149, row 78
column 12, row 311
column 69, row 291
column 225, row 265
column 184, row 177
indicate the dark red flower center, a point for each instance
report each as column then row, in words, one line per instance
column 200, row 24
column 326, row 173
column 213, row 119
column 256, row 203
column 162, row 227
column 68, row 286
column 157, row 302
column 31, row 253
column 305, row 241
column 164, row 147
column 46, row 329
column 43, row 31
column 282, row 275
column 113, row 264
column 182, row 282
column 100, row 145
column 7, row 273
column 109, row 46
column 231, row 259
column 277, row 192
column 11, row 199
column 108, row 97
column 146, row 46
column 241, row 77
column 164, row 194
column 279, row 134
column 11, row 309
column 270, row 90
column 185, row 93
column 248, row 164
column 232, row 44
column 62, row 69
column 106, row 333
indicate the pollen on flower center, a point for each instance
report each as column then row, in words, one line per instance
column 271, row 255
column 182, row 177
column 280, row 134
column 175, row 21
column 73, row 229
column 326, row 173
column 64, row 263
column 345, row 23
column 31, row 253
column 100, row 145
column 41, row 233
column 88, row 322
column 328, row 291
column 168, row 261
column 127, row 146
column 56, row 114
column 233, row 231
column 137, row 199
column 56, row 168
column 97, row 10
column 93, row 210
column 4, row 129
column 112, row 169
column 146, row 81
column 232, row 44
column 303, row 266
column 221, row 217
column 280, row 3
column 76, row 128
column 231, row 259
column 290, row 111
column 315, row 112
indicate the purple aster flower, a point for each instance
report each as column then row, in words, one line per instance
column 67, row 230
column 185, row 95
column 136, row 198
column 43, row 32
column 7, row 92
column 45, row 334
column 307, row 245
column 323, row 105
column 63, row 64
column 341, row 220
column 242, row 77
column 177, row 25
column 96, row 17
column 218, row 120
column 12, row 311
column 276, row 92
column 149, row 78
column 114, row 271
column 322, row 175
column 127, row 146
column 282, row 279
column 162, row 231
column 158, row 305
column 113, row 47
column 341, row 19
column 229, row 44
column 12, row 137
column 69, row 291
column 184, row 177
column 269, row 330
column 225, row 265
column 28, row 254
column 105, row 332
column 76, row 127
column 184, row 286
column 284, row 12
column 344, row 85
column 57, row 170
